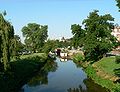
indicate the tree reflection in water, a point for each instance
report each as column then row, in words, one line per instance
column 90, row 87
column 41, row 76
column 76, row 89
column 94, row 87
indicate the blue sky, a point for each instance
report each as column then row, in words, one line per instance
column 57, row 14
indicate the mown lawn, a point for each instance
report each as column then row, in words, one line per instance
column 107, row 65
column 102, row 72
column 42, row 55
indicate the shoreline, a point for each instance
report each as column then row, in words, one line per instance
column 100, row 80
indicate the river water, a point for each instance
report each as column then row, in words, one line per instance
column 61, row 76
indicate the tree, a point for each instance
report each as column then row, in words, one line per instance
column 50, row 45
column 78, row 35
column 118, row 4
column 16, row 46
column 6, row 34
column 97, row 39
column 35, row 36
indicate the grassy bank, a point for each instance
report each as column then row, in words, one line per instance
column 102, row 72
column 105, row 68
column 107, row 83
column 20, row 72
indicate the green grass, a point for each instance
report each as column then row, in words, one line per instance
column 103, row 82
column 43, row 55
column 39, row 54
column 78, row 57
column 107, row 64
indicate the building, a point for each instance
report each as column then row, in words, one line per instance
column 62, row 39
column 116, row 32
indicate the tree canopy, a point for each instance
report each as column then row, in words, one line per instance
column 6, row 35
column 16, row 46
column 78, row 34
column 35, row 36
column 118, row 4
column 97, row 39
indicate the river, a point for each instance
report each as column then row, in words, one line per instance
column 61, row 76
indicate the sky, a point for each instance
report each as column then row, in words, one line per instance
column 59, row 15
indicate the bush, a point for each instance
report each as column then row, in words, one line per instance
column 117, row 72
column 78, row 57
column 117, row 88
column 117, row 59
column 21, row 71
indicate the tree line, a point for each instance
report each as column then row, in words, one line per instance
column 94, row 35
column 11, row 45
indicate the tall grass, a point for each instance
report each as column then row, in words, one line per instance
column 78, row 57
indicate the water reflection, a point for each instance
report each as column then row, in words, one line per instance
column 39, row 79
column 90, row 87
column 63, row 59
column 80, row 89
column 57, row 76
column 50, row 66
column 93, row 87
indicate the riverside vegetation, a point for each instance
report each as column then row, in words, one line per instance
column 102, row 72
column 95, row 38
column 21, row 71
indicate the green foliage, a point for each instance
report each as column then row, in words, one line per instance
column 98, row 40
column 78, row 57
column 96, row 37
column 6, row 35
column 118, row 4
column 20, row 72
column 90, row 71
column 107, row 64
column 16, row 47
column 110, row 67
column 117, row 59
column 50, row 45
column 78, row 34
column 43, row 56
column 117, row 69
column 50, row 66
column 117, row 89
column 103, row 82
column 35, row 36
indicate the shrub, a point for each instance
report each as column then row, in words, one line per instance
column 78, row 57
column 90, row 71
column 117, row 72
column 117, row 88
column 117, row 59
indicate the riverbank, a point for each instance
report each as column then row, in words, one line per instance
column 102, row 72
column 21, row 71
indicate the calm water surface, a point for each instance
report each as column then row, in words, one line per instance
column 61, row 76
